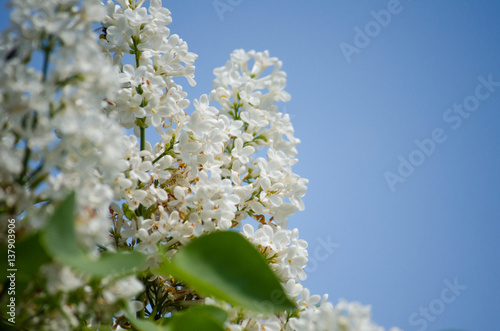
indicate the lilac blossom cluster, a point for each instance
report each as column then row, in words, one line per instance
column 226, row 165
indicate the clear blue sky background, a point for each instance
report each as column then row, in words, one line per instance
column 396, row 249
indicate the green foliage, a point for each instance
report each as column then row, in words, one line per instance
column 145, row 325
column 30, row 257
column 5, row 326
column 59, row 237
column 200, row 317
column 226, row 266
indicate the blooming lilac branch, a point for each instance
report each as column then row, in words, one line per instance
column 226, row 166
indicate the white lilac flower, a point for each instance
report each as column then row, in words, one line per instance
column 161, row 15
column 120, row 34
column 59, row 111
column 61, row 279
column 123, row 288
column 321, row 315
column 241, row 153
column 137, row 16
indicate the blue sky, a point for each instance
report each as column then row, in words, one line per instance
column 423, row 247
column 398, row 250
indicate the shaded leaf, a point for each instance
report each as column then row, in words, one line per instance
column 145, row 325
column 225, row 265
column 216, row 313
column 111, row 263
column 59, row 236
column 30, row 256
column 196, row 318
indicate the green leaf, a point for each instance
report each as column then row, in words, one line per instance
column 128, row 213
column 8, row 326
column 216, row 313
column 59, row 235
column 110, row 263
column 99, row 328
column 30, row 256
column 226, row 266
column 200, row 317
column 145, row 325
column 60, row 242
column 196, row 318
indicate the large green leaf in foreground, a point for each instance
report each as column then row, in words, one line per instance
column 226, row 266
column 60, row 242
column 196, row 318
